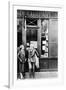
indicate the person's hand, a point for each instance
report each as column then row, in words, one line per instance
column 20, row 60
column 25, row 60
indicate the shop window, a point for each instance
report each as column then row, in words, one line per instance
column 49, row 41
column 44, row 38
column 53, row 38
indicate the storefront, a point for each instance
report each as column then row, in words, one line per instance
column 41, row 29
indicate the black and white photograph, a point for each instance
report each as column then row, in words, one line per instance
column 37, row 44
column 33, row 45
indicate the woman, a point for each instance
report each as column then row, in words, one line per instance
column 32, row 60
column 21, row 57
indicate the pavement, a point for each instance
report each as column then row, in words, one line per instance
column 39, row 75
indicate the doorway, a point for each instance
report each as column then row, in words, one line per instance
column 31, row 36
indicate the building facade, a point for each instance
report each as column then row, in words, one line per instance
column 41, row 29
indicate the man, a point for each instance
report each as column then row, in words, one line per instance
column 21, row 57
column 31, row 60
